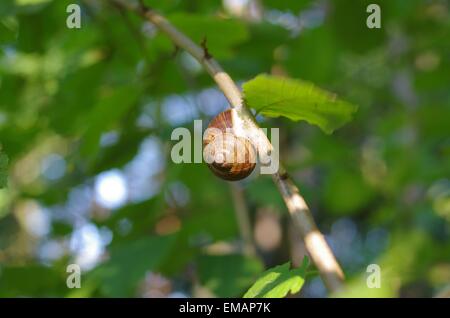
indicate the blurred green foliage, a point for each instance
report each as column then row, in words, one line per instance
column 3, row 170
column 86, row 117
column 277, row 282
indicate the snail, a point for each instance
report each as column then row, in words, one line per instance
column 230, row 155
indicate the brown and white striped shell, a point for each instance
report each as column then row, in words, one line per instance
column 229, row 157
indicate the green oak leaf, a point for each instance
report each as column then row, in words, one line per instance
column 277, row 282
column 273, row 96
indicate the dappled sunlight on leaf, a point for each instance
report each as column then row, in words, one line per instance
column 278, row 282
column 297, row 100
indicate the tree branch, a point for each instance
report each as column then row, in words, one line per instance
column 315, row 243
column 243, row 219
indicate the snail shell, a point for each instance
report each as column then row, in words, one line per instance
column 229, row 156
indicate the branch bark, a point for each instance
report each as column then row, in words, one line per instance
column 315, row 242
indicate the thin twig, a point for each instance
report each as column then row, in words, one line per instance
column 133, row 30
column 315, row 243
column 243, row 218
